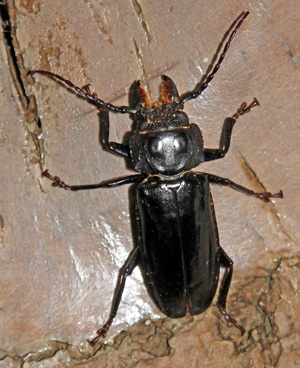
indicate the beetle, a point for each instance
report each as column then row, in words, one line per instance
column 178, row 247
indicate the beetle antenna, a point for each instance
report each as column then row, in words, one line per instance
column 84, row 92
column 197, row 91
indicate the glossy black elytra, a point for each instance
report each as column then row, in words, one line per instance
column 178, row 247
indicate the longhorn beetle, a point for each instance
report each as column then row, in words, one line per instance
column 178, row 247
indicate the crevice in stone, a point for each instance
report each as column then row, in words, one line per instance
column 19, row 75
column 275, row 215
column 249, row 171
column 1, row 230
column 152, row 341
column 142, row 67
column 264, row 334
column 9, row 33
column 142, row 19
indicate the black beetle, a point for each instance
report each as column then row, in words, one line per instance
column 178, row 246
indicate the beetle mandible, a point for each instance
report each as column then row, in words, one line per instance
column 178, row 247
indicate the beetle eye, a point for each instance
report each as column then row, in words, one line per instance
column 143, row 125
column 182, row 117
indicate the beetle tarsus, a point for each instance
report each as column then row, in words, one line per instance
column 57, row 182
column 243, row 109
column 267, row 195
column 231, row 321
column 102, row 332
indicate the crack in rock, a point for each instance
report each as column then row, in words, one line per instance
column 21, row 79
column 141, row 17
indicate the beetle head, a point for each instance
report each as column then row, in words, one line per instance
column 164, row 141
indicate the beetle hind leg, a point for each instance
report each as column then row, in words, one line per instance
column 125, row 271
column 227, row 263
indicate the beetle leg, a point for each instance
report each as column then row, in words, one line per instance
column 225, row 285
column 265, row 196
column 118, row 148
column 214, row 154
column 125, row 271
column 112, row 183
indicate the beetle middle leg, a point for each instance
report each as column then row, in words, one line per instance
column 225, row 285
column 126, row 270
column 111, row 183
column 264, row 196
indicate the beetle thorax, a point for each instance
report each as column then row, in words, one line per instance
column 164, row 141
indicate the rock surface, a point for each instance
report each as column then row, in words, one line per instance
column 60, row 252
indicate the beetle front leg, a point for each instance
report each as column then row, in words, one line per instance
column 214, row 154
column 227, row 263
column 265, row 196
column 125, row 271
column 118, row 148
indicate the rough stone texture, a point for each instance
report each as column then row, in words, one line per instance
column 60, row 251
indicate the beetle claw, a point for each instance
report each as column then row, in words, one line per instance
column 57, row 182
column 102, row 332
column 267, row 195
column 243, row 109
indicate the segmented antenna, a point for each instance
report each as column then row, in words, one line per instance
column 84, row 92
column 197, row 92
column 130, row 110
